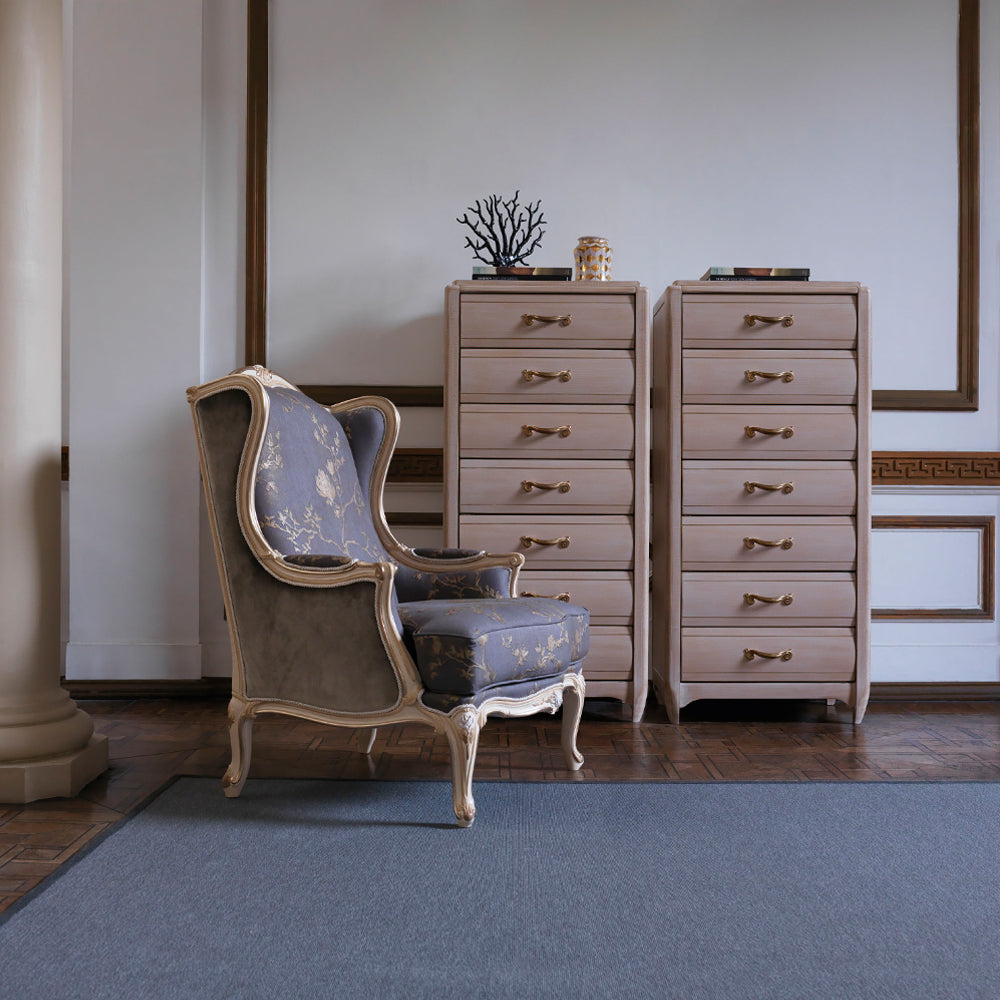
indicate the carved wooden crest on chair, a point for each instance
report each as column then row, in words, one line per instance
column 334, row 620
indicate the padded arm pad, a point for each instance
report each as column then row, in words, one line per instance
column 455, row 584
column 449, row 553
column 318, row 560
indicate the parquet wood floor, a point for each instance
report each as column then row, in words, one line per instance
column 153, row 740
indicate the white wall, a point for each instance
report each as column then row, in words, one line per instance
column 723, row 132
column 135, row 320
column 688, row 134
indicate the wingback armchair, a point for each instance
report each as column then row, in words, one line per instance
column 331, row 618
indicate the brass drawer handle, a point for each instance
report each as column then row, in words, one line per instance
column 529, row 374
column 529, row 484
column 751, row 319
column 751, row 431
column 778, row 543
column 785, row 654
column 528, row 540
column 530, row 318
column 751, row 376
column 770, row 487
column 783, row 599
column 563, row 430
column 556, row 597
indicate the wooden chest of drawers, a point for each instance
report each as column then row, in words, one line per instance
column 761, row 481
column 547, row 452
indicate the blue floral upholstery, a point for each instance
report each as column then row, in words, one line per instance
column 308, row 496
column 466, row 634
column 456, row 584
column 466, row 649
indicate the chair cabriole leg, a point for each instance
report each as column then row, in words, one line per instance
column 462, row 728
column 572, row 710
column 366, row 737
column 240, row 730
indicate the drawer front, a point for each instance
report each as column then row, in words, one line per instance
column 519, row 376
column 610, row 656
column 820, row 321
column 550, row 320
column 546, row 486
column 727, row 487
column 553, row 542
column 523, row 430
column 607, row 595
column 765, row 377
column 769, row 432
column 740, row 599
column 824, row 654
column 768, row 543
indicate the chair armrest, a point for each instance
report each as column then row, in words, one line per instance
column 319, row 560
column 456, row 574
column 464, row 555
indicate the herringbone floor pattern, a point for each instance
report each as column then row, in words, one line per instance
column 153, row 740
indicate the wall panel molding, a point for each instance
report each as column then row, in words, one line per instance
column 255, row 336
column 965, row 396
column 985, row 525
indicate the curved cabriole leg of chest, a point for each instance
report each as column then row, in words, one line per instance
column 860, row 703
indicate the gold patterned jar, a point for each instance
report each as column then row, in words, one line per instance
column 592, row 259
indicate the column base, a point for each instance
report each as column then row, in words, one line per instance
column 61, row 776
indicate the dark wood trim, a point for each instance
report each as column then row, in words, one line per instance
column 416, row 465
column 934, row 691
column 206, row 687
column 936, row 468
column 401, row 395
column 986, row 525
column 255, row 321
column 415, row 518
column 221, row 687
column 966, row 395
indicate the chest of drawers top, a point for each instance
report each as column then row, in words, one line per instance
column 553, row 314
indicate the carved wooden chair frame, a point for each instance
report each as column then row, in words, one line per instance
column 462, row 724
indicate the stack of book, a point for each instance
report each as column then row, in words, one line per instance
column 490, row 273
column 756, row 274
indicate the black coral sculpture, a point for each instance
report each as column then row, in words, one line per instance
column 505, row 232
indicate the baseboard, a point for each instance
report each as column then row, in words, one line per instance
column 220, row 687
column 205, row 687
column 935, row 691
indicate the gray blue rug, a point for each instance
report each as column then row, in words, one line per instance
column 306, row 889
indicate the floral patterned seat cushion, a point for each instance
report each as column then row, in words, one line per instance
column 467, row 647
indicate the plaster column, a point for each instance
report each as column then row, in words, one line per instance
column 47, row 745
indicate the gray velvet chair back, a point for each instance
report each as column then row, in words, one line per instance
column 282, row 634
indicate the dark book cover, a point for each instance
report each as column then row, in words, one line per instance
column 756, row 274
column 489, row 273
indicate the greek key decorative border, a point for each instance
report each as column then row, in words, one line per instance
column 936, row 468
column 985, row 525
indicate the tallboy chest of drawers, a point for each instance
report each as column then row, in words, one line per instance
column 761, row 483
column 547, row 452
